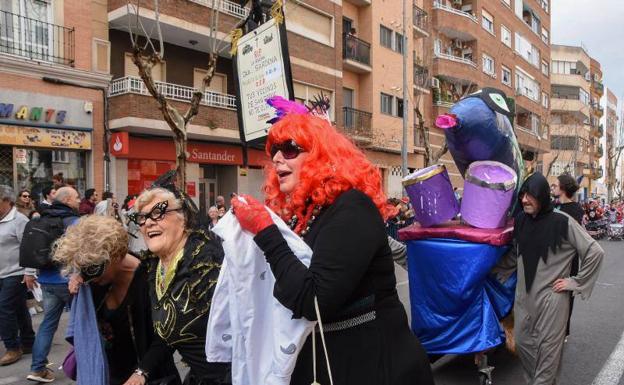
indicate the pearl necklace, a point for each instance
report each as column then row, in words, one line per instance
column 292, row 223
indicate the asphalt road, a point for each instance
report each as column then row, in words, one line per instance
column 597, row 327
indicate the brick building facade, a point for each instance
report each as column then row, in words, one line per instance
column 54, row 70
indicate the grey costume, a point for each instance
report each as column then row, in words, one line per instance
column 541, row 315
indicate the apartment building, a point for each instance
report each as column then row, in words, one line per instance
column 496, row 43
column 216, row 160
column 54, row 71
column 572, row 148
column 597, row 141
column 611, row 122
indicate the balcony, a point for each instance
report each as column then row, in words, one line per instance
column 569, row 104
column 356, row 54
column 421, row 22
column 421, row 77
column 598, row 132
column 134, row 85
column 598, row 87
column 357, row 123
column 360, row 3
column 599, row 151
column 437, row 5
column 597, row 173
column 598, row 110
column 36, row 40
column 442, row 99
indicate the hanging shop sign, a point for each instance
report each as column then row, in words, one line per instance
column 262, row 70
column 40, row 110
column 45, row 137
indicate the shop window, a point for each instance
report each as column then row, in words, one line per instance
column 35, row 168
column 141, row 173
column 6, row 165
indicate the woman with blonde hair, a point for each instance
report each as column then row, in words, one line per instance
column 96, row 248
column 25, row 204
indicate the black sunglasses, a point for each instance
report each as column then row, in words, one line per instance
column 25, row 196
column 157, row 213
column 289, row 149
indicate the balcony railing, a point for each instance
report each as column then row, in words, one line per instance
column 357, row 122
column 355, row 49
column 421, row 18
column 444, row 7
column 599, row 87
column 454, row 58
column 227, row 7
column 421, row 75
column 134, row 85
column 35, row 39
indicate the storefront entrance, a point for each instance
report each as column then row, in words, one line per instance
column 207, row 194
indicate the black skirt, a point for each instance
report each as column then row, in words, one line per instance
column 379, row 352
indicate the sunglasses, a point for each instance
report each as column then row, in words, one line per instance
column 289, row 149
column 25, row 196
column 157, row 213
column 92, row 272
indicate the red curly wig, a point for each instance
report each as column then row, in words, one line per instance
column 333, row 166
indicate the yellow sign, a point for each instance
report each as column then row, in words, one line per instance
column 45, row 137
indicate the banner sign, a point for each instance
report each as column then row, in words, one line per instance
column 45, row 137
column 262, row 69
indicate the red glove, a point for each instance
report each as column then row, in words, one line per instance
column 252, row 215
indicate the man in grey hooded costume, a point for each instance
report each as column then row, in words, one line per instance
column 546, row 242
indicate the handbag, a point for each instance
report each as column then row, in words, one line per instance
column 69, row 366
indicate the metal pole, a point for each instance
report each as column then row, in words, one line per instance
column 405, row 94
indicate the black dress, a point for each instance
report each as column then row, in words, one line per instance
column 127, row 332
column 180, row 317
column 352, row 275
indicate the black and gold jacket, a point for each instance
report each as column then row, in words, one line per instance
column 180, row 317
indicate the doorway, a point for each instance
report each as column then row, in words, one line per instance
column 207, row 194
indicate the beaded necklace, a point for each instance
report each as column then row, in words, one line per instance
column 292, row 223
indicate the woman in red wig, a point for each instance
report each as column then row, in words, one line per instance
column 331, row 195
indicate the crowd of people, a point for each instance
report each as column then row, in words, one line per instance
column 140, row 278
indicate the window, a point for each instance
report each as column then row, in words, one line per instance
column 385, row 37
column 506, row 36
column 583, row 96
column 399, row 111
column 545, row 69
column 158, row 70
column 564, row 67
column 304, row 93
column 544, row 4
column 398, row 42
column 487, row 21
column 506, row 76
column 386, row 104
column 59, row 156
column 217, row 84
column 310, row 23
column 507, row 3
column 527, row 86
column 488, row 65
column 31, row 38
column 437, row 46
column 528, row 51
column 545, row 100
column 545, row 35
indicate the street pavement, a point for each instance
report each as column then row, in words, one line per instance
column 592, row 349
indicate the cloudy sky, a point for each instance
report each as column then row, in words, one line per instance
column 599, row 26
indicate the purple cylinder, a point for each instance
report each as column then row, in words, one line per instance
column 488, row 193
column 431, row 194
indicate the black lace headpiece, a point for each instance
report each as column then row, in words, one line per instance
column 167, row 182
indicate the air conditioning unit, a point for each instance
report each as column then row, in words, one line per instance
column 435, row 83
column 457, row 2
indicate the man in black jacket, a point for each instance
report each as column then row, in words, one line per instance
column 54, row 286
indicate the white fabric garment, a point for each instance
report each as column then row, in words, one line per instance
column 247, row 325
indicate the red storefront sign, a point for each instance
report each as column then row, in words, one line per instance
column 198, row 152
column 119, row 144
column 191, row 189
